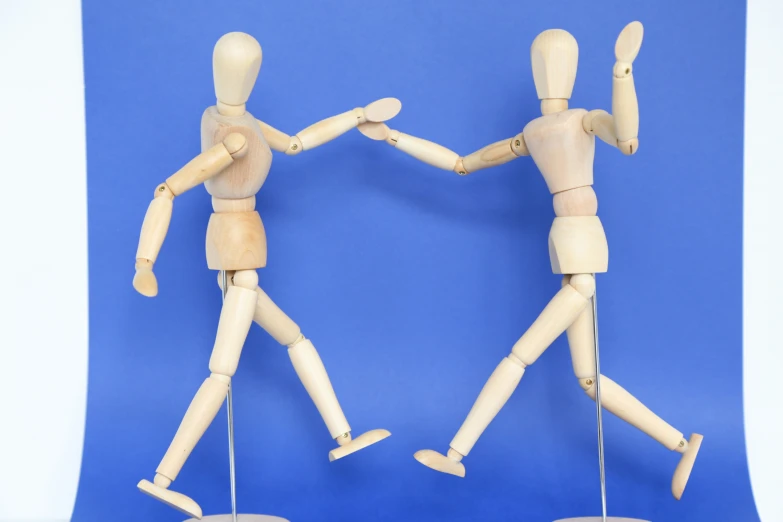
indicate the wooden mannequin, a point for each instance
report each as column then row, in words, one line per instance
column 562, row 144
column 233, row 166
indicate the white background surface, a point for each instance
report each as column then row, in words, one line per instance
column 44, row 216
column 43, row 222
column 763, row 286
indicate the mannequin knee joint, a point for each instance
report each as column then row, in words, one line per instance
column 584, row 284
column 220, row 377
column 516, row 360
column 299, row 338
column 587, row 383
column 246, row 279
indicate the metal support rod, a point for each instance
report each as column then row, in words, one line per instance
column 230, row 409
column 599, row 408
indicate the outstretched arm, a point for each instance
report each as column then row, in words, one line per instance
column 156, row 221
column 620, row 129
column 438, row 156
column 330, row 128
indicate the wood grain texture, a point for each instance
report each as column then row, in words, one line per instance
column 277, row 139
column 554, row 55
column 236, row 60
column 561, row 149
column 312, row 373
column 577, row 245
column 213, row 160
column 362, row 441
column 382, row 110
column 173, row 499
column 330, row 128
column 236, row 316
column 241, row 517
column 683, row 471
column 233, row 205
column 599, row 519
column 198, row 417
column 154, row 229
column 601, row 124
column 274, row 321
column 494, row 395
column 625, row 108
column 492, row 155
column 627, row 46
column 236, row 241
column 434, row 460
column 617, row 400
column 580, row 201
column 426, row 151
column 246, row 175
column 561, row 311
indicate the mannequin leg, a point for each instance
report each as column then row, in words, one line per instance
column 235, row 320
column 561, row 311
column 617, row 400
column 312, row 373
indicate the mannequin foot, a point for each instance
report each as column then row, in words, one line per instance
column 445, row 464
column 360, row 442
column 685, row 466
column 172, row 498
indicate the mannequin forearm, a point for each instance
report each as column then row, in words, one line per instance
column 424, row 150
column 625, row 107
column 314, row 135
column 156, row 225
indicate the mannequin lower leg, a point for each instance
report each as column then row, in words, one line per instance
column 235, row 320
column 561, row 311
column 617, row 400
column 199, row 416
column 311, row 371
column 621, row 403
column 558, row 315
column 613, row 396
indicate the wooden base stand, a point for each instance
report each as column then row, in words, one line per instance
column 242, row 518
column 599, row 519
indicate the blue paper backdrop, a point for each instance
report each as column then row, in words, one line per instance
column 413, row 283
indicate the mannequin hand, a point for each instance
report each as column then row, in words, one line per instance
column 144, row 281
column 627, row 47
column 382, row 110
column 375, row 131
column 380, row 132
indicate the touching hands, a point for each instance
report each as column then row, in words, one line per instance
column 375, row 114
column 379, row 132
column 381, row 110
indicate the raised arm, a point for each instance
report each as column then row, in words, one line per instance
column 330, row 128
column 620, row 129
column 438, row 156
column 156, row 221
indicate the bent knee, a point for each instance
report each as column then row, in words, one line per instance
column 220, row 377
column 222, row 368
column 584, row 284
column 587, row 384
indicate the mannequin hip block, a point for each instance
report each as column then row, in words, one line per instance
column 577, row 245
column 236, row 241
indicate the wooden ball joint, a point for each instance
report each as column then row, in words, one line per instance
column 235, row 160
column 562, row 145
